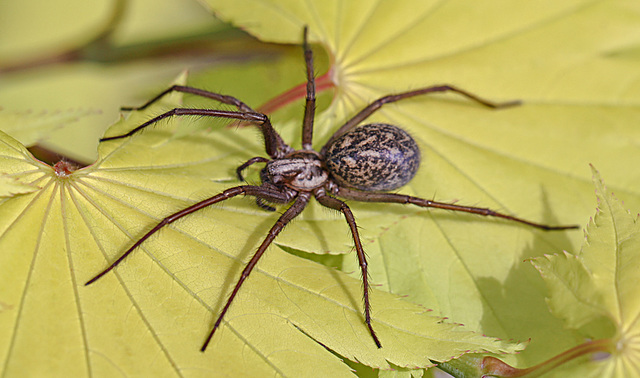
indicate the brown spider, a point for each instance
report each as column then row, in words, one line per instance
column 357, row 163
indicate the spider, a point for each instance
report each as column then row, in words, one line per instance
column 358, row 162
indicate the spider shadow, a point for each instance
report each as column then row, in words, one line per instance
column 520, row 298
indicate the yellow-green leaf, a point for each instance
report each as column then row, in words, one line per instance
column 580, row 106
column 10, row 186
column 48, row 65
column 595, row 291
column 151, row 315
column 29, row 127
column 13, row 180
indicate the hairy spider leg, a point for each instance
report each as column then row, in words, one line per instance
column 258, row 159
column 276, row 148
column 404, row 199
column 274, row 145
column 247, row 190
column 198, row 92
column 377, row 104
column 336, row 204
column 293, row 211
column 310, row 101
column 263, row 205
column 245, row 165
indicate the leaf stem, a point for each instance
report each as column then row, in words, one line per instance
column 488, row 366
column 101, row 49
column 298, row 92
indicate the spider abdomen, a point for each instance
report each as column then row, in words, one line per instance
column 373, row 157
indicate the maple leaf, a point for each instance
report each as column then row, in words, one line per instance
column 153, row 312
column 595, row 291
column 579, row 107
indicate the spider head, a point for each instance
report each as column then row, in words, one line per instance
column 300, row 171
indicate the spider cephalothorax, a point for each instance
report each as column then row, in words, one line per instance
column 300, row 170
column 358, row 163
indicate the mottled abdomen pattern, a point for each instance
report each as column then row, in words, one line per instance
column 373, row 157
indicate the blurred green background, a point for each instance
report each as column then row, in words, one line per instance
column 74, row 63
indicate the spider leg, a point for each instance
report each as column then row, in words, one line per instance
column 257, row 191
column 310, row 102
column 273, row 142
column 404, row 199
column 263, row 205
column 245, row 165
column 336, row 204
column 377, row 104
column 292, row 212
column 198, row 92
column 259, row 201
